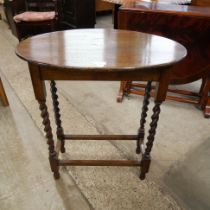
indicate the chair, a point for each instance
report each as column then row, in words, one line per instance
column 191, row 28
column 36, row 17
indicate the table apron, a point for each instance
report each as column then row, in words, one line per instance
column 60, row 74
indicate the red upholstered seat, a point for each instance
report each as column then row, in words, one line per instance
column 34, row 16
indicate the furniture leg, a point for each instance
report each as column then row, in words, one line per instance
column 116, row 9
column 3, row 95
column 202, row 85
column 141, row 131
column 40, row 94
column 145, row 163
column 48, row 130
column 60, row 134
column 121, row 91
column 204, row 100
column 127, row 88
column 207, row 108
column 160, row 96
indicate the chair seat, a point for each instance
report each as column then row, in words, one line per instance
column 34, row 16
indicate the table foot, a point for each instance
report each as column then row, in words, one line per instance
column 63, row 150
column 60, row 133
column 145, row 164
column 206, row 111
column 56, row 175
column 54, row 164
column 141, row 131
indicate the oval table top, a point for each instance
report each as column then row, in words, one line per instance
column 101, row 49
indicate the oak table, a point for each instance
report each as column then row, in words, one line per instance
column 100, row 54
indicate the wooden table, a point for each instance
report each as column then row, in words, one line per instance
column 99, row 54
column 132, row 3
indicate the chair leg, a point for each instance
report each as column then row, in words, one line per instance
column 60, row 134
column 141, row 131
column 3, row 95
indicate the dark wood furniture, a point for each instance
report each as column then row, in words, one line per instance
column 3, row 95
column 28, row 27
column 129, row 55
column 9, row 13
column 78, row 14
column 102, row 6
column 71, row 14
column 189, row 25
column 205, row 3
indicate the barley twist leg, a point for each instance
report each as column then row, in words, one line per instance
column 141, row 131
column 48, row 131
column 60, row 134
column 146, row 159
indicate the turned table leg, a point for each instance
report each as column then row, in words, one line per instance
column 141, row 131
column 60, row 134
column 145, row 163
column 40, row 94
column 160, row 96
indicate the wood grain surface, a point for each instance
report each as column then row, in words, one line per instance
column 101, row 49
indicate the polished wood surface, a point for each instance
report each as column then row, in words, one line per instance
column 166, row 7
column 131, row 3
column 99, row 54
column 101, row 49
column 102, row 6
column 189, row 25
column 204, row 3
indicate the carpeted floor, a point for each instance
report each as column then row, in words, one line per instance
column 89, row 107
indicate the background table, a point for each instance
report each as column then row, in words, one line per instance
column 100, row 54
column 188, row 25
